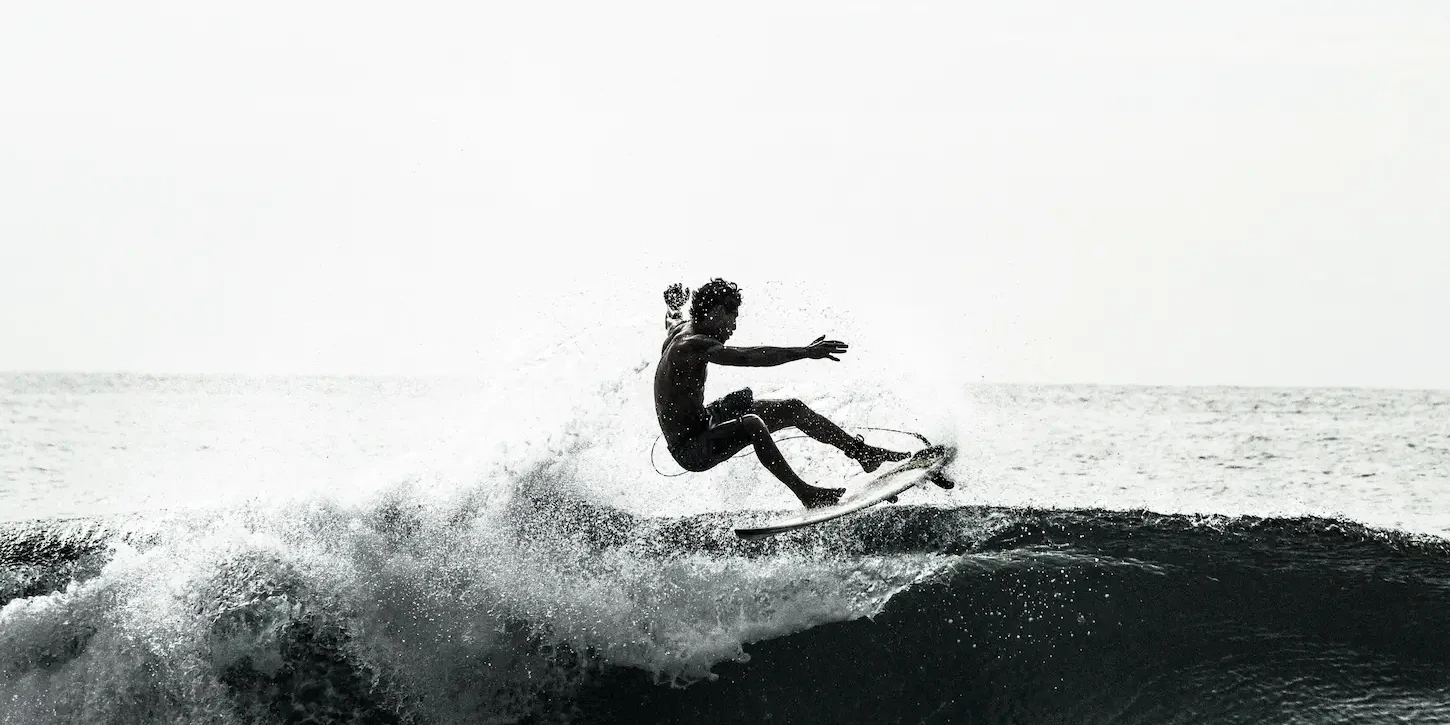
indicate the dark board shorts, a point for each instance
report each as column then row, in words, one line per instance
column 725, row 436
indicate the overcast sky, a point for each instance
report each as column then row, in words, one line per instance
column 1247, row 192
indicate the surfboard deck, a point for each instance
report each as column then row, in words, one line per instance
column 925, row 464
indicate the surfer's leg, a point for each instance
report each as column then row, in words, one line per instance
column 792, row 413
column 770, row 457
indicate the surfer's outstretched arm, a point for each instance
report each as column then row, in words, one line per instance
column 764, row 357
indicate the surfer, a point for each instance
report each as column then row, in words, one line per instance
column 701, row 436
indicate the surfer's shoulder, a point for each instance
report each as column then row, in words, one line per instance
column 691, row 342
column 682, row 339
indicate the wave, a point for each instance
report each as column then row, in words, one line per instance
column 1109, row 617
column 549, row 608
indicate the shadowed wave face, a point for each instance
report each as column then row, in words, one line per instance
column 556, row 610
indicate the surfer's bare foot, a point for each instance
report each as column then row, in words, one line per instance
column 871, row 457
column 814, row 497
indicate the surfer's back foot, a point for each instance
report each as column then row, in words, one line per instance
column 871, row 457
column 815, row 497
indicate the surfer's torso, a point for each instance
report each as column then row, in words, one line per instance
column 680, row 385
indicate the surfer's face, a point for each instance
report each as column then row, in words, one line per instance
column 720, row 322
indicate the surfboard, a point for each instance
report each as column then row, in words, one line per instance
column 924, row 465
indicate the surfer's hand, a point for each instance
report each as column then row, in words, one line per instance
column 675, row 295
column 823, row 348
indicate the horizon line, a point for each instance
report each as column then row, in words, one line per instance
column 467, row 375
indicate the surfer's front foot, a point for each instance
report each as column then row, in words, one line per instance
column 871, row 457
column 814, row 497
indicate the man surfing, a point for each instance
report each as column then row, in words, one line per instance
column 701, row 436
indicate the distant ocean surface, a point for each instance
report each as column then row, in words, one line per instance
column 269, row 550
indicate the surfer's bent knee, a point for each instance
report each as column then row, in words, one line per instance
column 755, row 424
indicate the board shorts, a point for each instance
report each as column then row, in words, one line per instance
column 724, row 437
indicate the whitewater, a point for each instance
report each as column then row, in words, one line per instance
column 505, row 549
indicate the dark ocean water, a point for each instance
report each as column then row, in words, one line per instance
column 1102, row 617
column 1026, row 616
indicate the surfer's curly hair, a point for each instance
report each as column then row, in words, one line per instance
column 715, row 293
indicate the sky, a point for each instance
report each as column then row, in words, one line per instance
column 1120, row 192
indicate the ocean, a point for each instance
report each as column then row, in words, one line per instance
column 189, row 549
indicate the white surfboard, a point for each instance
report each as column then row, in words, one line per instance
column 925, row 464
